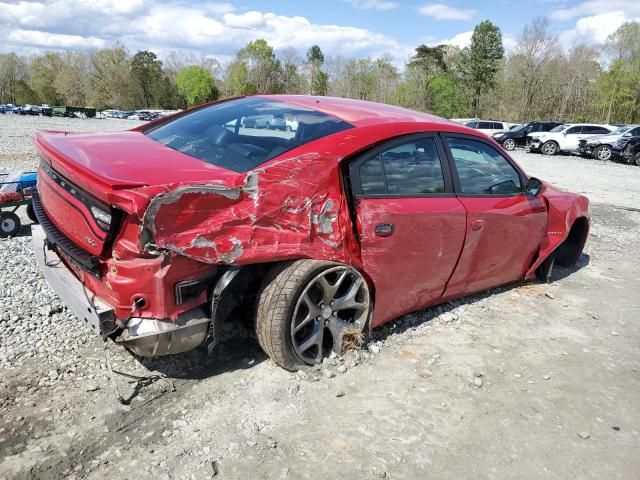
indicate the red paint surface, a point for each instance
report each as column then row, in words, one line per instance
column 410, row 268
column 199, row 216
column 503, row 243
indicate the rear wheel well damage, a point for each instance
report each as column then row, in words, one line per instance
column 235, row 291
column 568, row 252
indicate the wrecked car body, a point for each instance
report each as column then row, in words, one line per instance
column 156, row 236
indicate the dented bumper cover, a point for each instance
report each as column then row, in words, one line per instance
column 144, row 336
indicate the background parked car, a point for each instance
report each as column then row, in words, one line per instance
column 565, row 138
column 148, row 116
column 270, row 122
column 488, row 126
column 36, row 110
column 601, row 146
column 627, row 150
column 519, row 136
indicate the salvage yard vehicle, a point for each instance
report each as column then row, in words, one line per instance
column 490, row 127
column 627, row 150
column 157, row 235
column 519, row 136
column 565, row 138
column 601, row 147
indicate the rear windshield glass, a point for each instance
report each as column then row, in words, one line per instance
column 241, row 134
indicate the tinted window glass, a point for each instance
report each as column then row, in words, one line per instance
column 559, row 128
column 574, row 130
column 372, row 177
column 633, row 132
column 484, row 125
column 620, row 130
column 413, row 168
column 497, row 126
column 241, row 134
column 482, row 170
column 410, row 169
column 601, row 130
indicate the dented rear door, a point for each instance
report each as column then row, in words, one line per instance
column 411, row 227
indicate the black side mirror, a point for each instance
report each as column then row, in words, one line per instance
column 534, row 186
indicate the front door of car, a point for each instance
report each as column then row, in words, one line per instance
column 570, row 138
column 410, row 224
column 505, row 225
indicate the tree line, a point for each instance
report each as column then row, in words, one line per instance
column 538, row 79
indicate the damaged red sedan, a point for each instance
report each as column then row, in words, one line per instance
column 352, row 215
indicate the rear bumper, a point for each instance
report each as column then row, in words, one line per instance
column 95, row 312
column 145, row 336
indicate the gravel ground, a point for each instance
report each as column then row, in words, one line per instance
column 531, row 381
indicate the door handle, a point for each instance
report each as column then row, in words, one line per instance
column 477, row 224
column 384, row 229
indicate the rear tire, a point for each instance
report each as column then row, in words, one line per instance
column 549, row 148
column 293, row 322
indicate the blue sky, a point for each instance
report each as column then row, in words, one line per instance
column 348, row 28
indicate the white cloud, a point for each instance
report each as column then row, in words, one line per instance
column 592, row 30
column 440, row 11
column 212, row 28
column 246, row 20
column 374, row 4
column 631, row 8
column 53, row 40
column 460, row 40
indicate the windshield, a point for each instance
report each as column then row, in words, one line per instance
column 559, row 128
column 519, row 128
column 241, row 134
column 620, row 130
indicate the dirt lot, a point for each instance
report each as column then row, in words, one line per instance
column 532, row 381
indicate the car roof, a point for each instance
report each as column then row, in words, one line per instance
column 360, row 112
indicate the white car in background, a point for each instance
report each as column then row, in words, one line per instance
column 489, row 127
column 566, row 138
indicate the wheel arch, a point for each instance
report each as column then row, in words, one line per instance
column 568, row 225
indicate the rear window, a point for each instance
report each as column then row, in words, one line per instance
column 241, row 134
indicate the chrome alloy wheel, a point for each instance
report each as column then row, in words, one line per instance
column 335, row 301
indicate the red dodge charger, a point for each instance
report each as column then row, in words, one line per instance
column 353, row 214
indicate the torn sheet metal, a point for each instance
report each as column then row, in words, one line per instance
column 288, row 209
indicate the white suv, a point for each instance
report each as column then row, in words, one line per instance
column 489, row 126
column 565, row 138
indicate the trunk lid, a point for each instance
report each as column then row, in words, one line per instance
column 120, row 160
column 84, row 176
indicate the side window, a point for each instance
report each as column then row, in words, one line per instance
column 411, row 169
column 634, row 132
column 372, row 177
column 574, row 130
column 497, row 126
column 601, row 130
column 484, row 125
column 482, row 170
